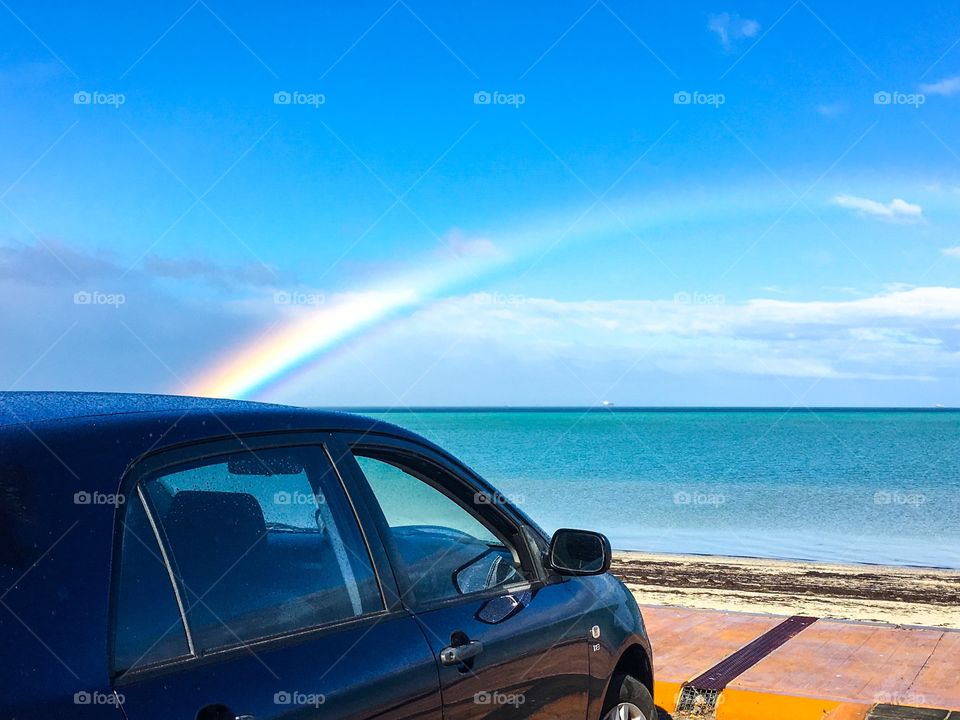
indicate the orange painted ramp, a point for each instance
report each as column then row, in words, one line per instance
column 686, row 642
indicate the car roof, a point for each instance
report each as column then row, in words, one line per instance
column 25, row 408
column 140, row 413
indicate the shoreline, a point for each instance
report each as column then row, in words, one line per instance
column 864, row 564
column 928, row 597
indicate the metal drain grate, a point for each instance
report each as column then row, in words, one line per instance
column 696, row 701
column 700, row 695
column 720, row 675
column 906, row 712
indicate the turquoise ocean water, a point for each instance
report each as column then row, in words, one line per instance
column 869, row 486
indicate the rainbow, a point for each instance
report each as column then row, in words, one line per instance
column 315, row 331
column 311, row 333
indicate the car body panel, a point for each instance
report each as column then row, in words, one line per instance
column 55, row 616
column 534, row 661
column 534, row 658
column 377, row 667
column 620, row 628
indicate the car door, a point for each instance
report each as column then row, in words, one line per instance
column 246, row 588
column 507, row 642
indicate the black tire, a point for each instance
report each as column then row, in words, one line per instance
column 627, row 689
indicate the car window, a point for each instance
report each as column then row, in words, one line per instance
column 148, row 625
column 262, row 543
column 439, row 549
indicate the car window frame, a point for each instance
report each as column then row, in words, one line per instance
column 499, row 518
column 154, row 463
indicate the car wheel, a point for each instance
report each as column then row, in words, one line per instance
column 632, row 702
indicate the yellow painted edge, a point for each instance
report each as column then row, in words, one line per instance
column 666, row 694
column 849, row 711
column 748, row 705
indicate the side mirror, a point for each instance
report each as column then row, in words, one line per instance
column 579, row 552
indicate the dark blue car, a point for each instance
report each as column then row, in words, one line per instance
column 175, row 558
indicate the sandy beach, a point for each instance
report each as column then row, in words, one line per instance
column 897, row 595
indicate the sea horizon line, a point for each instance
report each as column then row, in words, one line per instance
column 633, row 408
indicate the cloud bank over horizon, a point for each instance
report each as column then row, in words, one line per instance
column 158, row 338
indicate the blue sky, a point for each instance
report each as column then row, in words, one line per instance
column 785, row 238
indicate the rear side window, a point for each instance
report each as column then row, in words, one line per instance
column 261, row 543
column 148, row 625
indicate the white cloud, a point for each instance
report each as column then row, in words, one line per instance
column 730, row 28
column 903, row 335
column 947, row 86
column 897, row 210
column 953, row 252
column 698, row 314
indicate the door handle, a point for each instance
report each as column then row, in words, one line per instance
column 456, row 654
